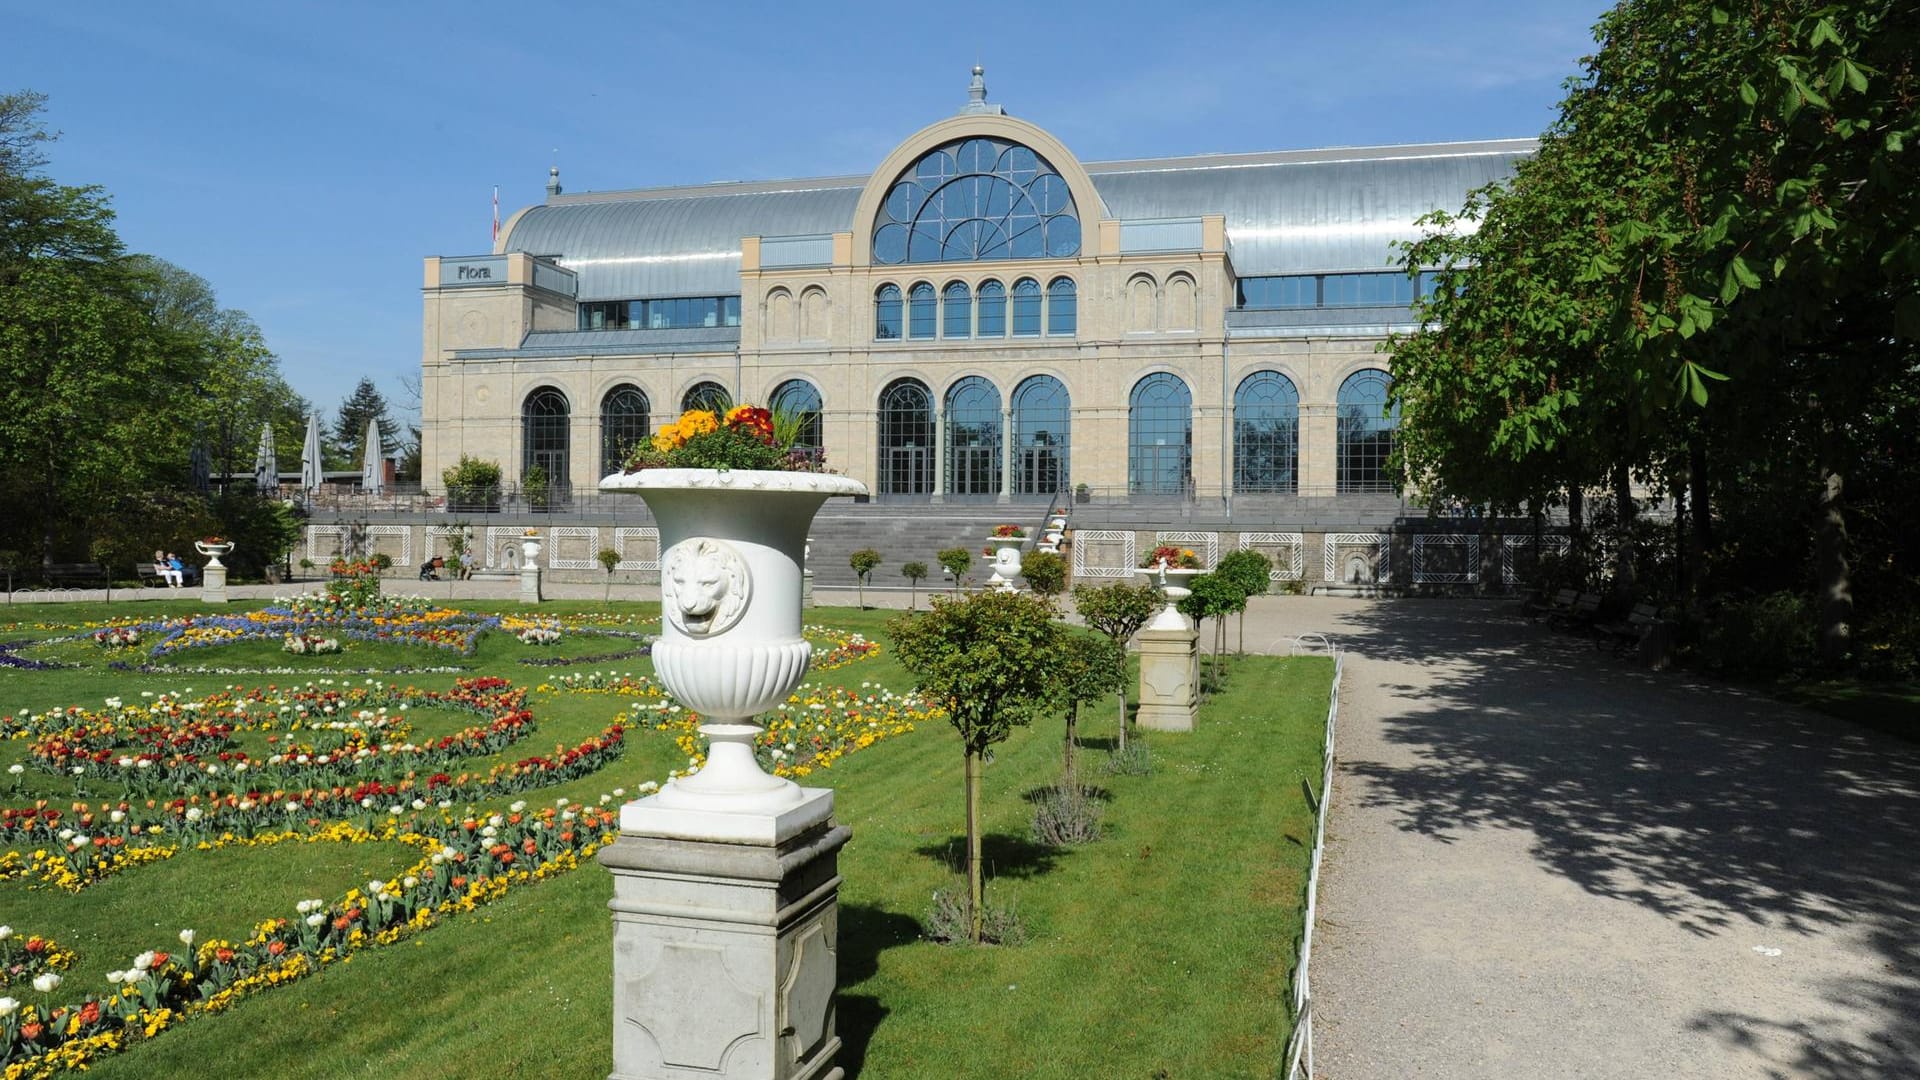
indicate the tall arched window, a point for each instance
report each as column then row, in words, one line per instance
column 1026, row 308
column 1042, row 429
column 956, row 311
column 1366, row 428
column 976, row 199
column 1061, row 312
column 624, row 421
column 906, row 439
column 710, row 396
column 800, row 399
column 921, row 312
column 993, row 309
column 886, row 313
column 1160, row 436
column 1266, row 435
column 973, row 438
column 545, row 439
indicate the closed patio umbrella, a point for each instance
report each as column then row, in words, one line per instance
column 266, row 462
column 372, row 476
column 310, row 455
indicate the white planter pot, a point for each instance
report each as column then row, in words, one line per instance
column 1172, row 582
column 213, row 552
column 732, row 548
column 529, row 552
column 1005, row 561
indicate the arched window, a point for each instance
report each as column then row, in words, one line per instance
column 956, row 311
column 1160, row 436
column 624, row 421
column 921, row 313
column 544, row 440
column 1061, row 312
column 815, row 314
column 710, row 396
column 1266, row 435
column 1026, row 308
column 993, row 309
column 800, row 399
column 976, row 199
column 906, row 439
column 1042, row 430
column 1366, row 432
column 886, row 313
column 973, row 438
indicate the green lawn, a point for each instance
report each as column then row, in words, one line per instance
column 1892, row 707
column 1163, row 949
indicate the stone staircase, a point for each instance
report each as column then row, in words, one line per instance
column 909, row 533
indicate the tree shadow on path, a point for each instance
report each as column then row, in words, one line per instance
column 1713, row 807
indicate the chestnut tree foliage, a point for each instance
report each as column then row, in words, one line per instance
column 1707, row 280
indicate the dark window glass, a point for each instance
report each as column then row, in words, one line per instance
column 1026, row 308
column 956, row 315
column 993, row 309
column 665, row 313
column 1266, row 434
column 886, row 313
column 1061, row 312
column 1296, row 291
column 973, row 438
column 1365, row 433
column 1353, row 290
column 906, row 439
column 732, row 310
column 920, row 311
column 800, row 399
column 1160, row 436
column 710, row 396
column 624, row 421
column 1042, row 428
column 545, row 436
column 976, row 199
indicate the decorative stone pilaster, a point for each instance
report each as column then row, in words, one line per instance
column 530, row 568
column 1169, row 679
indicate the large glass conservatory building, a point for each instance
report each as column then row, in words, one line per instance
column 984, row 317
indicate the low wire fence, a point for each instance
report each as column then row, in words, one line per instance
column 1299, row 1054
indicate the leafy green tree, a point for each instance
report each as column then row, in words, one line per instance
column 863, row 562
column 1252, row 572
column 1119, row 611
column 1045, row 571
column 472, row 484
column 1091, row 667
column 608, row 559
column 913, row 572
column 1213, row 596
column 992, row 660
column 957, row 561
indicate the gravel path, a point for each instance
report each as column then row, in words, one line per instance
column 1544, row 863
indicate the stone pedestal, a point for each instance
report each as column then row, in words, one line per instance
column 529, row 584
column 213, row 583
column 725, row 936
column 806, row 588
column 1169, row 679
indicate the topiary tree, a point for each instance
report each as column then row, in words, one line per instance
column 608, row 559
column 913, row 572
column 957, row 561
column 1091, row 667
column 1119, row 611
column 1214, row 596
column 991, row 660
column 1252, row 571
column 1045, row 571
column 863, row 562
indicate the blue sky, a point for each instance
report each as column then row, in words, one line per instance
column 305, row 157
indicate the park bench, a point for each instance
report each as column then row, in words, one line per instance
column 1629, row 632
column 149, row 574
column 1560, row 603
column 1582, row 616
column 73, row 575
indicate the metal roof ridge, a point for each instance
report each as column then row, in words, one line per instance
column 716, row 188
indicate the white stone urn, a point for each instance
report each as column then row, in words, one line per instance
column 1171, row 581
column 732, row 548
column 530, row 550
column 213, row 552
column 1005, row 561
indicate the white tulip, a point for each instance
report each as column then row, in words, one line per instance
column 8, row 1006
column 5, row 932
column 144, row 961
column 46, row 982
column 186, row 938
column 316, row 918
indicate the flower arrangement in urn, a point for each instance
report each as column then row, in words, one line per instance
column 1009, row 532
column 744, row 437
column 1178, row 558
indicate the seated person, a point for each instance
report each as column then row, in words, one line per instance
column 176, row 571
column 169, row 577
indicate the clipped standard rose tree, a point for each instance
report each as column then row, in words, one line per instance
column 913, row 572
column 863, row 563
column 1119, row 611
column 992, row 660
column 1252, row 572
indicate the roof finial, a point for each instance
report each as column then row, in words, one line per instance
column 553, row 181
column 977, row 95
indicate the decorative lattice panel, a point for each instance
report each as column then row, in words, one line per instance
column 395, row 541
column 325, row 542
column 1099, row 554
column 503, row 547
column 437, row 541
column 1287, row 550
column 1517, row 553
column 573, row 547
column 1444, row 559
column 1204, row 544
column 1374, row 546
column 639, row 549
